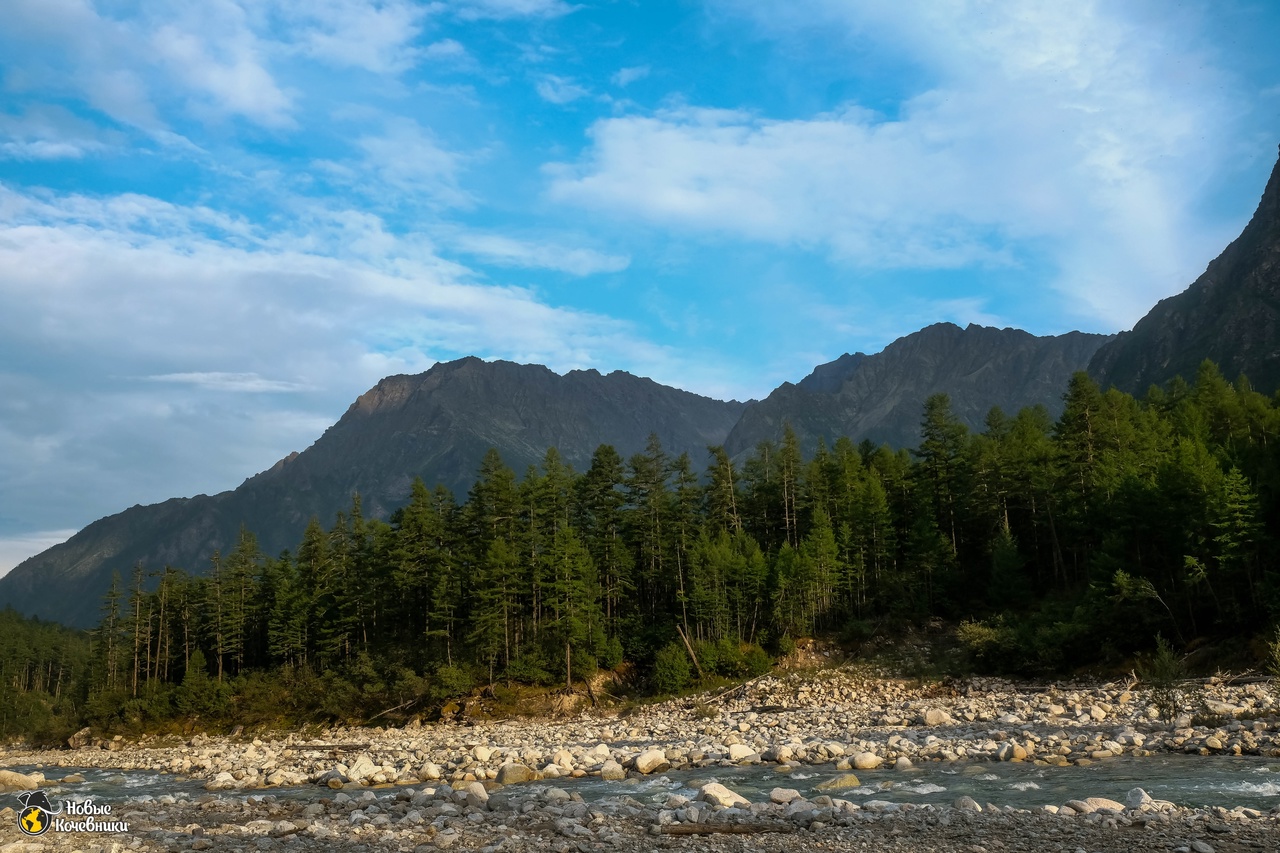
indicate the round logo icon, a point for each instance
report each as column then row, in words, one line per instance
column 33, row 820
column 36, row 810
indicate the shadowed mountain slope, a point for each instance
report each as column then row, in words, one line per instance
column 881, row 397
column 436, row 425
column 1230, row 314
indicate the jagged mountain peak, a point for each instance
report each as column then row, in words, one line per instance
column 1230, row 314
column 880, row 397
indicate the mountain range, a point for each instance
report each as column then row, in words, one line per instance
column 438, row 425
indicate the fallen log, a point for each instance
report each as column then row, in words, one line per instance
column 717, row 828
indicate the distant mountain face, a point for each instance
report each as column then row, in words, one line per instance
column 436, row 425
column 1230, row 314
column 881, row 397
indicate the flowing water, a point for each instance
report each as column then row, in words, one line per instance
column 1186, row 780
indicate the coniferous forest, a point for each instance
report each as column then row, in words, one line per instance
column 1049, row 545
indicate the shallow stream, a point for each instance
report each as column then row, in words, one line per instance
column 1185, row 780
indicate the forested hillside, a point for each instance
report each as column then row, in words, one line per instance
column 1052, row 545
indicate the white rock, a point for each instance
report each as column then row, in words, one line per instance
column 719, row 795
column 1136, row 798
column 739, row 751
column 867, row 761
column 936, row 717
column 362, row 768
column 655, row 761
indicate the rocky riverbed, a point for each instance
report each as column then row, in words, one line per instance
column 514, row 784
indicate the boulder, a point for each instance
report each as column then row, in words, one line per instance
column 867, row 761
column 80, row 739
column 482, row 753
column 655, row 761
column 739, row 751
column 361, row 769
column 612, row 771
column 477, row 795
column 782, row 796
column 903, row 763
column 224, row 781
column 1103, row 804
column 968, row 804
column 11, row 780
column 936, row 717
column 1136, row 798
column 838, row 783
column 719, row 795
column 430, row 772
column 511, row 774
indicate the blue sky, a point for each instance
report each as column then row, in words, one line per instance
column 221, row 221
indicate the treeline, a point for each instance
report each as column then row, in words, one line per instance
column 1053, row 543
column 43, row 670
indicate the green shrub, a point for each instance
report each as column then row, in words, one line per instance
column 670, row 669
column 990, row 646
column 1163, row 673
column 451, row 681
column 584, row 665
column 529, row 669
column 611, row 653
column 756, row 661
column 199, row 695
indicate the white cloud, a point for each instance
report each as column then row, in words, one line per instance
column 559, row 90
column 49, row 133
column 1050, row 131
column 214, row 60
column 250, row 383
column 102, row 291
column 404, row 164
column 376, row 36
column 627, row 76
column 507, row 251
column 473, row 10
column 445, row 49
column 228, row 68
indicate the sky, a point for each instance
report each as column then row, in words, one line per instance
column 223, row 220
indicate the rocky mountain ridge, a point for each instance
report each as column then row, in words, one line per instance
column 879, row 397
column 1230, row 314
column 438, row 425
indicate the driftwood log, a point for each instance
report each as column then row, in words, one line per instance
column 718, row 828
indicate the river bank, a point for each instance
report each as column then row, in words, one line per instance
column 481, row 782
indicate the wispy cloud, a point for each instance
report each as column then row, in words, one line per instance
column 539, row 254
column 627, row 76
column 111, row 283
column 250, row 383
column 1052, row 130
column 560, row 90
column 375, row 36
column 472, row 10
